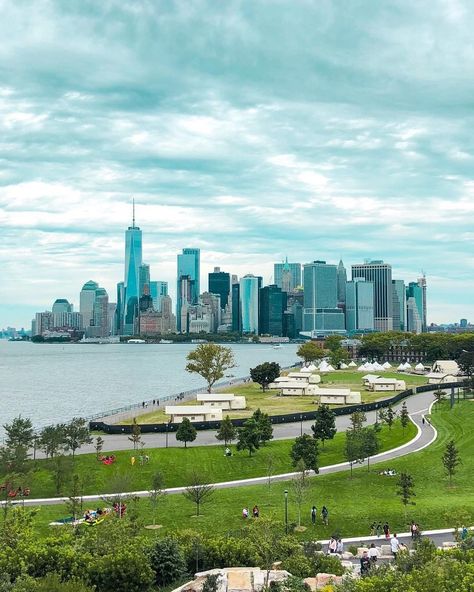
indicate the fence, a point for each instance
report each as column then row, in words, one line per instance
column 275, row 419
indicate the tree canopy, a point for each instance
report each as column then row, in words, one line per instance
column 210, row 361
column 265, row 373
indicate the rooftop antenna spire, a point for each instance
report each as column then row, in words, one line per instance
column 133, row 210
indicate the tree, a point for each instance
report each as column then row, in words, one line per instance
column 120, row 484
column 404, row 416
column 248, row 437
column 186, row 432
column 211, row 583
column 74, row 504
column 156, row 491
column 210, row 361
column 305, row 448
column 270, row 467
column 265, row 373
column 357, row 419
column 338, row 357
column 167, row 561
column 354, row 447
column 99, row 445
column 199, row 492
column 51, row 439
column 136, row 436
column 439, row 396
column 264, row 424
column 299, row 486
column 333, row 342
column 389, row 416
column 466, row 363
column 451, row 459
column 310, row 351
column 19, row 433
column 324, row 427
column 406, row 490
column 227, row 431
column 62, row 467
column 371, row 443
column 76, row 434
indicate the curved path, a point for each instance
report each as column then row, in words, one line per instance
column 426, row 434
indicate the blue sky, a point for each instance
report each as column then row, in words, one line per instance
column 252, row 130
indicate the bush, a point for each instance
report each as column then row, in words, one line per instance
column 327, row 564
column 126, row 570
column 167, row 561
column 299, row 565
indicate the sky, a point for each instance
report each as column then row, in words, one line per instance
column 252, row 130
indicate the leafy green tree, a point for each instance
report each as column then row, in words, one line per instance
column 211, row 583
column 404, row 416
column 305, row 448
column 451, row 459
column 406, row 490
column 371, row 443
column 389, row 416
column 136, row 436
column 466, row 363
column 51, row 439
column 210, row 361
column 265, row 373
column 248, row 437
column 264, row 424
column 19, row 433
column 310, row 351
column 186, row 432
column 227, row 431
column 299, row 487
column 199, row 492
column 357, row 419
column 76, row 434
column 167, row 561
column 61, row 468
column 124, row 570
column 354, row 447
column 74, row 504
column 338, row 357
column 333, row 342
column 324, row 427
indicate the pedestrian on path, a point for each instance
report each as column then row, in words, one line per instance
column 394, row 545
column 378, row 529
column 364, row 565
column 386, row 530
column 339, row 547
column 373, row 554
column 325, row 515
column 314, row 513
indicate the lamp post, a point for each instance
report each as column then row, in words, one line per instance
column 167, row 430
column 286, row 511
column 301, row 424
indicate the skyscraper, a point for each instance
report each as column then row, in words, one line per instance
column 422, row 284
column 236, row 310
column 189, row 270
column 158, row 290
column 359, row 305
column 219, row 283
column 86, row 302
column 143, row 278
column 415, row 311
column 133, row 261
column 399, row 305
column 287, row 276
column 61, row 305
column 380, row 274
column 341, row 283
column 249, row 288
column 100, row 327
column 272, row 305
column 320, row 312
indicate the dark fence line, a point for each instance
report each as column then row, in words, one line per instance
column 275, row 419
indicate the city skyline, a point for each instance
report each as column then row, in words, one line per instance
column 320, row 132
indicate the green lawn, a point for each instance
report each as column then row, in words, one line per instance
column 273, row 404
column 353, row 504
column 176, row 464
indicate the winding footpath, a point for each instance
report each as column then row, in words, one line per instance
column 418, row 406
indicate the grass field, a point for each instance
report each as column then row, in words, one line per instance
column 177, row 464
column 353, row 504
column 273, row 404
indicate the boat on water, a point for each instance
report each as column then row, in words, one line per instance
column 277, row 346
column 166, row 341
column 136, row 341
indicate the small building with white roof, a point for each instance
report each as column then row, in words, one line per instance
column 446, row 367
column 222, row 400
column 386, row 384
column 193, row 413
column 440, row 378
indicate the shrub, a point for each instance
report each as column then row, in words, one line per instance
column 167, row 561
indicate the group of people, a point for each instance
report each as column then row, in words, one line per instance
column 369, row 558
column 376, row 528
column 94, row 516
column 335, row 546
column 143, row 459
column 389, row 472
column 324, row 515
column 255, row 512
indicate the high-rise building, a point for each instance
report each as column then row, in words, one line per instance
column 341, row 283
column 399, row 305
column 86, row 302
column 272, row 305
column 359, row 305
column 219, row 283
column 213, row 304
column 287, row 276
column 133, row 261
column 100, row 327
column 67, row 320
column 236, row 310
column 158, row 289
column 118, row 320
column 143, row 278
column 249, row 289
column 189, row 270
column 320, row 313
column 380, row 274
column 422, row 284
column 414, row 307
column 44, row 321
column 61, row 305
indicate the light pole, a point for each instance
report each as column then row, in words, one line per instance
column 301, row 424
column 167, row 430
column 286, row 511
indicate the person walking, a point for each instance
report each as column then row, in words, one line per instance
column 373, row 554
column 325, row 515
column 386, row 530
column 314, row 513
column 394, row 545
column 364, row 565
column 255, row 512
column 378, row 529
column 332, row 545
column 339, row 547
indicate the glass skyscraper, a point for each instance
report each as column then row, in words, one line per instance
column 287, row 276
column 219, row 283
column 380, row 274
column 158, row 290
column 86, row 302
column 133, row 261
column 359, row 305
column 189, row 270
column 249, row 288
column 399, row 305
column 320, row 311
column 272, row 305
column 415, row 313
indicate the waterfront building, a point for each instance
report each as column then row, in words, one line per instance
column 219, row 283
column 249, row 292
column 359, row 307
column 415, row 312
column 44, row 321
column 188, row 273
column 236, row 310
column 86, row 302
column 399, row 305
column 287, row 276
column 143, row 278
column 118, row 320
column 68, row 320
column 380, row 274
column 158, row 289
column 272, row 306
column 100, row 326
column 320, row 313
column 213, row 303
column 133, row 261
column 61, row 305
column 341, row 284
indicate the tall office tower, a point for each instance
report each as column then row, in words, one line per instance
column 463, row 323
column 320, row 312
column 61, row 305
column 287, row 276
column 219, row 283
column 359, row 305
column 272, row 305
column 414, row 307
column 143, row 278
column 249, row 288
column 118, row 321
column 185, row 300
column 69, row 320
column 341, row 283
column 380, row 274
column 43, row 322
column 100, row 327
column 399, row 305
column 189, row 270
column 146, row 301
column 158, row 289
column 111, row 314
column 86, row 302
column 422, row 284
column 133, row 261
column 236, row 311
column 213, row 303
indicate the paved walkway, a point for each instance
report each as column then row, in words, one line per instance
column 416, row 404
column 425, row 436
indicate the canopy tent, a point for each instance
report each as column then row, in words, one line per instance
column 387, row 365
column 419, row 366
column 344, row 366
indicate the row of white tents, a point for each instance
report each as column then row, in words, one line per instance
column 367, row 367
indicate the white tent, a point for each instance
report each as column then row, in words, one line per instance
column 330, row 368
column 305, row 369
column 407, row 365
column 370, row 377
column 344, row 366
column 401, row 367
column 370, row 367
column 312, row 368
column 419, row 366
column 387, row 365
column 378, row 366
column 362, row 368
column 352, row 364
